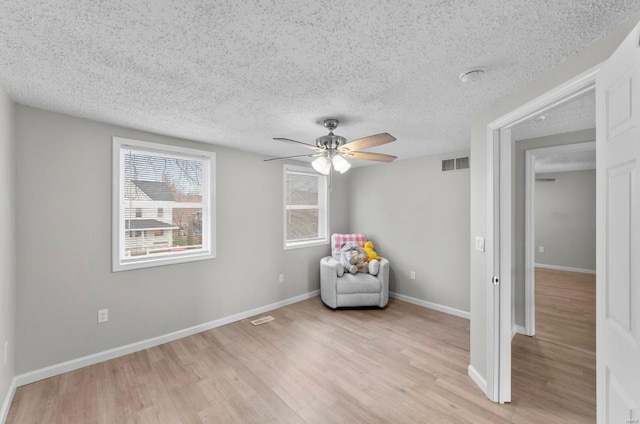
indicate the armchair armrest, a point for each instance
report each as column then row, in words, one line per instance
column 330, row 270
column 329, row 263
column 383, row 276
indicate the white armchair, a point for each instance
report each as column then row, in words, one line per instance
column 342, row 289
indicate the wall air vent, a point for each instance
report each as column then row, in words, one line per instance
column 455, row 164
column 448, row 165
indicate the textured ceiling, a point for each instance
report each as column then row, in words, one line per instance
column 579, row 114
column 576, row 115
column 237, row 73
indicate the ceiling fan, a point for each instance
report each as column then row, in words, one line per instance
column 333, row 149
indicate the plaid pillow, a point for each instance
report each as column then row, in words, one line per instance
column 338, row 240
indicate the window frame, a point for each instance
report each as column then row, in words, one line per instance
column 208, row 251
column 323, row 215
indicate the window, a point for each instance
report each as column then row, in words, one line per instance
column 163, row 204
column 306, row 207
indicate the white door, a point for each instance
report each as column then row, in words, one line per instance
column 618, row 235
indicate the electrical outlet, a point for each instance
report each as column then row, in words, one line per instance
column 413, row 275
column 103, row 316
column 281, row 279
column 541, row 249
column 6, row 351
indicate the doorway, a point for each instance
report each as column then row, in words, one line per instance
column 565, row 174
column 618, row 208
column 500, row 227
column 554, row 263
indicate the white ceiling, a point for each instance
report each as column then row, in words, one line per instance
column 579, row 114
column 237, row 73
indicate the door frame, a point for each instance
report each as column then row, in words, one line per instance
column 499, row 238
column 530, row 225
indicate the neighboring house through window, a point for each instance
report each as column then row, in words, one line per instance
column 306, row 205
column 164, row 196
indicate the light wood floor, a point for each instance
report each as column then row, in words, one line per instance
column 557, row 365
column 566, row 308
column 404, row 364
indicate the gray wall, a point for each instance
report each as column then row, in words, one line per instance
column 591, row 56
column 565, row 219
column 64, row 245
column 7, row 243
column 418, row 217
column 518, row 292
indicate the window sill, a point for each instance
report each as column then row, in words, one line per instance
column 155, row 262
column 302, row 244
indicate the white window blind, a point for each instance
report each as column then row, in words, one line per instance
column 306, row 218
column 163, row 204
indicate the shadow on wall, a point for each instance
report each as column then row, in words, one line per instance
column 392, row 278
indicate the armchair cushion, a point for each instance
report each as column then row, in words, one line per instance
column 358, row 283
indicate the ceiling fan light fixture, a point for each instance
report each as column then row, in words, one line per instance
column 322, row 165
column 340, row 164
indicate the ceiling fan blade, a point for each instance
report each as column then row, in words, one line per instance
column 379, row 157
column 295, row 156
column 366, row 142
column 288, row 140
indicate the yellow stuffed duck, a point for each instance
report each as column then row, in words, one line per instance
column 368, row 247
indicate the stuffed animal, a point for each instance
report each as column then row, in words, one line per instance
column 368, row 247
column 361, row 262
column 353, row 258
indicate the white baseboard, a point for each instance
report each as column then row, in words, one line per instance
column 517, row 329
column 431, row 305
column 566, row 268
column 74, row 364
column 4, row 412
column 477, row 378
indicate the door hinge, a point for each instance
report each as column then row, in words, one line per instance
column 495, row 280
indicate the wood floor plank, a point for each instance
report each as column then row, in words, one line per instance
column 566, row 308
column 553, row 373
column 403, row 364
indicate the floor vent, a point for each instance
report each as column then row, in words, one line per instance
column 262, row 320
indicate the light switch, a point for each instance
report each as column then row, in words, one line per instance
column 480, row 244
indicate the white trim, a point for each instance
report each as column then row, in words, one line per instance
column 529, row 242
column 74, row 364
column 491, row 247
column 566, row 268
column 435, row 306
column 477, row 378
column 506, row 269
column 517, row 329
column 531, row 156
column 501, row 171
column 6, row 405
